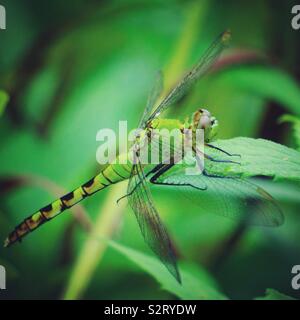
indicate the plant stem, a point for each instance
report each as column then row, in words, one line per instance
column 92, row 251
column 188, row 37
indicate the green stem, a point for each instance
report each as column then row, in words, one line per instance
column 93, row 249
column 177, row 64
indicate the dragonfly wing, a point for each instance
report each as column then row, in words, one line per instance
column 152, row 98
column 200, row 69
column 152, row 228
column 232, row 197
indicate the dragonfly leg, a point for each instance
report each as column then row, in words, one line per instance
column 217, row 160
column 219, row 149
column 161, row 170
column 196, row 152
column 158, row 167
column 129, row 193
column 165, row 169
column 210, row 175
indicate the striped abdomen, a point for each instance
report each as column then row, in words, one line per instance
column 112, row 174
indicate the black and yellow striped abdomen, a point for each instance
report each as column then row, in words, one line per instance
column 112, row 174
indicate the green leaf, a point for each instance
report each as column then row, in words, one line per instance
column 296, row 126
column 3, row 101
column 259, row 157
column 272, row 294
column 196, row 282
column 266, row 82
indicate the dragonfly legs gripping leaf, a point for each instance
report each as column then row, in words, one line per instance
column 221, row 150
column 163, row 170
column 211, row 158
column 210, row 175
column 222, row 161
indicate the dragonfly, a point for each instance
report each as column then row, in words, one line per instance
column 234, row 196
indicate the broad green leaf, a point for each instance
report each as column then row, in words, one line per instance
column 3, row 101
column 272, row 294
column 296, row 126
column 266, row 82
column 259, row 157
column 196, row 282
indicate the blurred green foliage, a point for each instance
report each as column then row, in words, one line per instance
column 72, row 69
column 274, row 295
column 295, row 121
column 3, row 101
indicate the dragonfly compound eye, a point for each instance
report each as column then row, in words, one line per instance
column 204, row 122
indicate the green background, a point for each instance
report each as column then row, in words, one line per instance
column 72, row 68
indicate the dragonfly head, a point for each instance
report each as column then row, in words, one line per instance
column 202, row 119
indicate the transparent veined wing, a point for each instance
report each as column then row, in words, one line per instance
column 152, row 228
column 200, row 69
column 152, row 98
column 140, row 199
column 228, row 196
column 138, row 192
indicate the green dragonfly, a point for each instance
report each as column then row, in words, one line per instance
column 234, row 196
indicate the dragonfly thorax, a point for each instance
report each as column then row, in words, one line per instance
column 202, row 119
